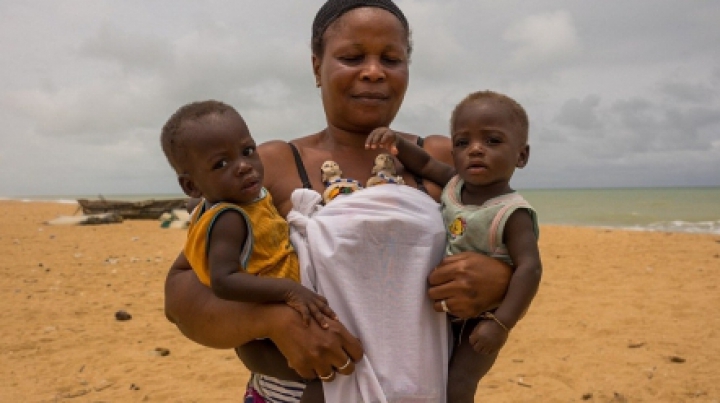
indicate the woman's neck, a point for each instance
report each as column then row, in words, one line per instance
column 338, row 139
column 347, row 149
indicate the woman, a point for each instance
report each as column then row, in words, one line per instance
column 360, row 59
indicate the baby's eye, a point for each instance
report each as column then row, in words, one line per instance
column 248, row 151
column 494, row 140
column 220, row 164
column 460, row 143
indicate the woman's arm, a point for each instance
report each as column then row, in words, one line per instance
column 204, row 318
column 218, row 323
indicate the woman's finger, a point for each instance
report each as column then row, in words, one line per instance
column 442, row 305
column 442, row 291
column 353, row 348
column 312, row 350
column 445, row 272
column 347, row 367
column 326, row 376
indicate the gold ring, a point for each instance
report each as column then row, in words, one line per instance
column 345, row 365
column 443, row 304
column 327, row 378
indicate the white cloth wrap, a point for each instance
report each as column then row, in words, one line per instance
column 369, row 254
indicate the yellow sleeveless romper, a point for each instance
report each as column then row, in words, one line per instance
column 267, row 250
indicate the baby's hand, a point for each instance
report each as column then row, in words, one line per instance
column 488, row 337
column 310, row 305
column 382, row 137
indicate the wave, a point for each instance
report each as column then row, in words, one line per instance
column 699, row 227
column 23, row 200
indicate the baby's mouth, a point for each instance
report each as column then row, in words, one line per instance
column 250, row 183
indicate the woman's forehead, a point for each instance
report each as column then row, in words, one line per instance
column 357, row 20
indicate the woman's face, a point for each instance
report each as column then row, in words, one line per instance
column 363, row 71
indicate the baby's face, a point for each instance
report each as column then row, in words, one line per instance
column 220, row 158
column 488, row 144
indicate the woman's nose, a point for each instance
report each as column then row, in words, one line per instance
column 373, row 70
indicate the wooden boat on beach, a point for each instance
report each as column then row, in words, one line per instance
column 133, row 210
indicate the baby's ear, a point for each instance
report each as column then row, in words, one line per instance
column 523, row 157
column 188, row 186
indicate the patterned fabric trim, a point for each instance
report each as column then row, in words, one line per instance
column 266, row 389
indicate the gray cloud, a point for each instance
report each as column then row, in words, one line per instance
column 580, row 113
column 616, row 91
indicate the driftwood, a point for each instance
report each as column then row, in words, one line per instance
column 92, row 219
column 134, row 210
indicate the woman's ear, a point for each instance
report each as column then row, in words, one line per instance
column 523, row 157
column 316, row 69
column 188, row 186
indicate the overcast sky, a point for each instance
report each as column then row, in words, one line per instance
column 619, row 93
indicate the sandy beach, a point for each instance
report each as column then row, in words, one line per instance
column 621, row 317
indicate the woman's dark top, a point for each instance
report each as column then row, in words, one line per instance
column 306, row 181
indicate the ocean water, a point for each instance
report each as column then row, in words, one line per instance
column 652, row 209
column 695, row 210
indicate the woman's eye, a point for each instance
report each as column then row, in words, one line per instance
column 248, row 151
column 220, row 164
column 350, row 59
column 392, row 61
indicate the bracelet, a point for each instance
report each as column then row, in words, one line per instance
column 490, row 315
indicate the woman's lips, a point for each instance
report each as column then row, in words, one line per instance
column 371, row 96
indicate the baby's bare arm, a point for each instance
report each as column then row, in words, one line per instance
column 492, row 332
column 522, row 244
column 413, row 157
column 227, row 237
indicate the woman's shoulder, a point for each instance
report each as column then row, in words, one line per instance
column 437, row 145
column 270, row 150
column 437, row 139
column 281, row 148
column 281, row 171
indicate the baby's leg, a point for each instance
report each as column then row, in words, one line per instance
column 263, row 357
column 313, row 393
column 467, row 367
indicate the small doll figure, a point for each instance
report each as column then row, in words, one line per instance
column 384, row 171
column 335, row 184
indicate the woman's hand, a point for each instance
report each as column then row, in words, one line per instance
column 264, row 357
column 469, row 283
column 313, row 351
column 214, row 322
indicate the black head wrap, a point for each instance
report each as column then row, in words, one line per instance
column 333, row 9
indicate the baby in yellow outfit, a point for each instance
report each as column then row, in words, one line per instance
column 238, row 244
